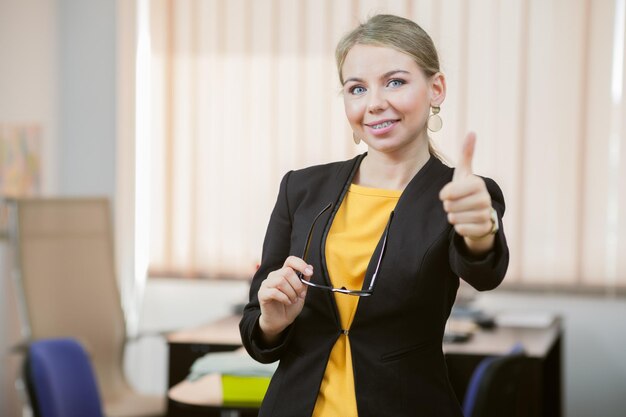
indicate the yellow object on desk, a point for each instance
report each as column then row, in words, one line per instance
column 244, row 390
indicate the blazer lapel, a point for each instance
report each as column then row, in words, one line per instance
column 335, row 194
column 404, row 221
column 406, row 225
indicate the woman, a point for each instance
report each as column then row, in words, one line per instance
column 362, row 258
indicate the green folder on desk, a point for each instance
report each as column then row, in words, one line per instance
column 244, row 390
column 244, row 380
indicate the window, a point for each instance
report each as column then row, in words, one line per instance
column 242, row 91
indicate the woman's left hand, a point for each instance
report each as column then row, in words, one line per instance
column 468, row 203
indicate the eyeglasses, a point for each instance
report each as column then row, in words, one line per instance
column 343, row 290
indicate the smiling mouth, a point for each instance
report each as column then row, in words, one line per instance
column 382, row 125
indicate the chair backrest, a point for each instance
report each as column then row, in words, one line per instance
column 67, row 273
column 497, row 385
column 61, row 380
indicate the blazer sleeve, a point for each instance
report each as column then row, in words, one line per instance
column 487, row 271
column 275, row 250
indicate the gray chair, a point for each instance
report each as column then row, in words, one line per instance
column 66, row 274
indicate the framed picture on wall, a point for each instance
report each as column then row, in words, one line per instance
column 20, row 163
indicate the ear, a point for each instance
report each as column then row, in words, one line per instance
column 437, row 89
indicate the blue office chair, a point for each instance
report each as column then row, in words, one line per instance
column 60, row 380
column 496, row 386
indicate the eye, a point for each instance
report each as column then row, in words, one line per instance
column 396, row 82
column 357, row 90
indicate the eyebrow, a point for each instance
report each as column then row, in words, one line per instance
column 385, row 75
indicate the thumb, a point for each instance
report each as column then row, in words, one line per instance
column 464, row 167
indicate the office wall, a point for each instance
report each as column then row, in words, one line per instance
column 57, row 68
column 172, row 305
column 87, row 73
column 28, row 94
column 28, row 72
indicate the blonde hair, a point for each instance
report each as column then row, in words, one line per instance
column 398, row 33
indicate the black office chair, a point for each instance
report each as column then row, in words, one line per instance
column 496, row 388
column 60, row 380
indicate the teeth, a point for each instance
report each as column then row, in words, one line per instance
column 382, row 125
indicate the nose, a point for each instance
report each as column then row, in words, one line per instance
column 377, row 102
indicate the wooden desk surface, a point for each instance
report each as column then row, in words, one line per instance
column 207, row 391
column 224, row 331
column 536, row 341
column 499, row 341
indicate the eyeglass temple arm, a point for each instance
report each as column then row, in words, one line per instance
column 382, row 250
column 310, row 234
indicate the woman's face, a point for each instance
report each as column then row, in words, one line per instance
column 387, row 98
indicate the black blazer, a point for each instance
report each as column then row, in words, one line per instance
column 396, row 335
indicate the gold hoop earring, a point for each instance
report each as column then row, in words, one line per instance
column 355, row 139
column 434, row 122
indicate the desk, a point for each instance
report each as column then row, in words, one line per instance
column 543, row 347
column 187, row 345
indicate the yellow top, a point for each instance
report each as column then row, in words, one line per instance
column 353, row 236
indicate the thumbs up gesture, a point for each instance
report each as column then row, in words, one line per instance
column 468, row 203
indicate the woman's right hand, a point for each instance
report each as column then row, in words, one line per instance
column 281, row 298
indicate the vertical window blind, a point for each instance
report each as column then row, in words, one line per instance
column 242, row 91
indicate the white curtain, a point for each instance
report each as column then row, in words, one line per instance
column 243, row 90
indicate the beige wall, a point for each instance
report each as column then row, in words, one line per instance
column 28, row 72
column 57, row 69
column 28, row 94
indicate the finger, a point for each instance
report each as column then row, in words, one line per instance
column 286, row 275
column 462, row 188
column 471, row 230
column 299, row 265
column 285, row 287
column 469, row 203
column 274, row 294
column 472, row 217
column 296, row 284
column 464, row 167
